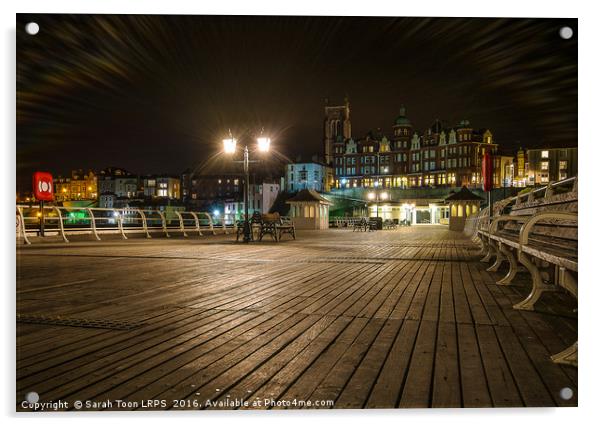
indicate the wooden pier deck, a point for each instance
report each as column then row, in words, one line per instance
column 403, row 318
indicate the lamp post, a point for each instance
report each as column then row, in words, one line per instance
column 378, row 197
column 263, row 145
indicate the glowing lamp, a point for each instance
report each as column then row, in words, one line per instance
column 371, row 195
column 263, row 144
column 229, row 145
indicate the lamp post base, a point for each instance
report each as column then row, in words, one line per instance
column 247, row 236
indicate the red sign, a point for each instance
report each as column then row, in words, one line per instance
column 43, row 188
column 487, row 172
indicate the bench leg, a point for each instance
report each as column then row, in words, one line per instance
column 513, row 265
column 567, row 281
column 483, row 247
column 488, row 254
column 567, row 356
column 498, row 258
column 539, row 287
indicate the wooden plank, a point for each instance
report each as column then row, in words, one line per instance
column 357, row 390
column 502, row 387
column 475, row 389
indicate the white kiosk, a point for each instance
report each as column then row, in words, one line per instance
column 309, row 210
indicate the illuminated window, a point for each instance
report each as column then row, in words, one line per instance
column 545, row 165
column 563, row 165
column 545, row 154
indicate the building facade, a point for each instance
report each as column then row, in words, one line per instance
column 211, row 191
column 166, row 187
column 549, row 165
column 337, row 127
column 79, row 187
column 116, row 187
column 261, row 199
column 439, row 156
column 313, row 175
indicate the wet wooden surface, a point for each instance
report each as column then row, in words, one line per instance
column 401, row 318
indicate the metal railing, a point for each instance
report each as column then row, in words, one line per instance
column 65, row 221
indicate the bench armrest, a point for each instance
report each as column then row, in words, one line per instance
column 523, row 238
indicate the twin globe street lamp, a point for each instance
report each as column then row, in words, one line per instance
column 378, row 197
column 263, row 145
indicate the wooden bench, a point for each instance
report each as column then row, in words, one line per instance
column 269, row 223
column 539, row 231
column 286, row 226
column 372, row 224
column 361, row 225
column 389, row 224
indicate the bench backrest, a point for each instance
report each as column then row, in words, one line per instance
column 552, row 198
column 270, row 217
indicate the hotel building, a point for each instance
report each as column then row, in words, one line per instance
column 438, row 156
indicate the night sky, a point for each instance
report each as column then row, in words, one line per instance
column 157, row 94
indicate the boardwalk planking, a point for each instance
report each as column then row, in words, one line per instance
column 405, row 318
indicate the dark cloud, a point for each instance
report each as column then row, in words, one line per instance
column 156, row 94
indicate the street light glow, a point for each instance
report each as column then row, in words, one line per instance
column 371, row 195
column 263, row 144
column 230, row 145
column 384, row 196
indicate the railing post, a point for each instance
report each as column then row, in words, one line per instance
column 549, row 190
column 182, row 228
column 210, row 222
column 61, row 227
column 224, row 224
column 197, row 223
column 21, row 219
column 120, row 223
column 531, row 196
column 143, row 216
column 163, row 222
column 93, row 223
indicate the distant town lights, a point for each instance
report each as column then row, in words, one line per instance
column 384, row 196
column 263, row 144
column 371, row 195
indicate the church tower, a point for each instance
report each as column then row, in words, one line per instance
column 337, row 128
